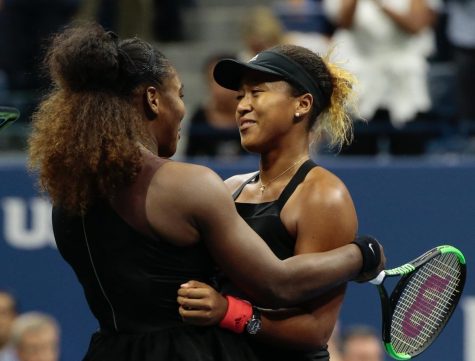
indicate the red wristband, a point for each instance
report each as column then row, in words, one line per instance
column 239, row 312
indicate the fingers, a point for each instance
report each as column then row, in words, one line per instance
column 194, row 284
column 195, row 304
column 194, row 292
column 195, row 317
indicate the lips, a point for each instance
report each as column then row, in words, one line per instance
column 246, row 124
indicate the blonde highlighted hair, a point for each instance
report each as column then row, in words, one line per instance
column 336, row 120
column 333, row 118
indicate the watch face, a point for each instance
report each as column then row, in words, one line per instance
column 253, row 326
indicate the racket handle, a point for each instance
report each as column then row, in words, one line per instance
column 378, row 279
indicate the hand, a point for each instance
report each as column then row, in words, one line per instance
column 200, row 304
column 368, row 276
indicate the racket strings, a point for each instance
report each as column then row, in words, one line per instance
column 425, row 303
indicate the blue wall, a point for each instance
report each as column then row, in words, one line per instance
column 410, row 205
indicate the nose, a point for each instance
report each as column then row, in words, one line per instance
column 244, row 106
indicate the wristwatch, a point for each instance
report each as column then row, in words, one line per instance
column 254, row 325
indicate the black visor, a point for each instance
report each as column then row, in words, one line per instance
column 229, row 73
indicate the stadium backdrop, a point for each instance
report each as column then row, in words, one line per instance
column 411, row 205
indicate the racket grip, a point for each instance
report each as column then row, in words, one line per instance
column 378, row 279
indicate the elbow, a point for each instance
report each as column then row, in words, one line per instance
column 344, row 20
column 420, row 24
column 345, row 24
column 414, row 29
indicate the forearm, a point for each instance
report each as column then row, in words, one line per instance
column 411, row 22
column 347, row 13
column 254, row 268
column 273, row 283
column 311, row 275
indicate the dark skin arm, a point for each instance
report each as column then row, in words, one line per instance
column 347, row 13
column 310, row 325
column 419, row 17
column 188, row 203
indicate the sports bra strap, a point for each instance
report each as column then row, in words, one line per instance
column 238, row 191
column 298, row 178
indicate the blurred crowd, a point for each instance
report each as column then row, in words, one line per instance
column 35, row 336
column 414, row 60
column 28, row 336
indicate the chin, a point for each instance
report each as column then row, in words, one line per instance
column 251, row 148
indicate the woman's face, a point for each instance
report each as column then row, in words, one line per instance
column 265, row 112
column 171, row 110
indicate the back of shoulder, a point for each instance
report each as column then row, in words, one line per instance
column 184, row 181
column 181, row 177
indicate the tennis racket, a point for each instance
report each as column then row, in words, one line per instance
column 7, row 116
column 422, row 301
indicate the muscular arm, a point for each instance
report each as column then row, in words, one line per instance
column 340, row 12
column 203, row 204
column 419, row 17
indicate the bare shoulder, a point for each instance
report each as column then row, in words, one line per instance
column 321, row 213
column 234, row 182
column 322, row 187
column 182, row 195
column 186, row 178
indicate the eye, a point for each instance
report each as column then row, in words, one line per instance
column 240, row 96
column 256, row 91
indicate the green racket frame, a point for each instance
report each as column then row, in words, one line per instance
column 407, row 271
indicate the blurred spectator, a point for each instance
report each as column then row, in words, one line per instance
column 105, row 12
column 24, row 26
column 128, row 18
column 361, row 343
column 386, row 44
column 260, row 30
column 213, row 130
column 305, row 23
column 35, row 337
column 168, row 19
column 160, row 20
column 8, row 313
column 461, row 34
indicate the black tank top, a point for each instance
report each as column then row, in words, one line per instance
column 264, row 219
column 131, row 282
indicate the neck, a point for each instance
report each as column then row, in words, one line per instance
column 271, row 165
column 149, row 146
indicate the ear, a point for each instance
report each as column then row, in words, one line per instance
column 151, row 102
column 304, row 104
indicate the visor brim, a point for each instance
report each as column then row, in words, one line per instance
column 229, row 73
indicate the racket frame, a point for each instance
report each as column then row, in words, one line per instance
column 7, row 116
column 406, row 272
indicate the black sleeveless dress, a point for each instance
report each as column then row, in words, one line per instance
column 264, row 218
column 130, row 282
